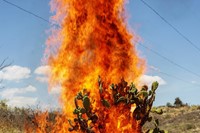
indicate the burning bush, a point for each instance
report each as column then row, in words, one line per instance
column 125, row 110
column 132, row 109
column 92, row 39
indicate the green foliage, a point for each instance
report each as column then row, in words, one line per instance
column 157, row 110
column 178, row 102
column 86, row 102
column 3, row 104
column 156, row 128
column 105, row 103
column 80, row 122
column 122, row 93
column 168, row 104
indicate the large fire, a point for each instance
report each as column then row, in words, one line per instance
column 93, row 41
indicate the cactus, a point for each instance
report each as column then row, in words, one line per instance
column 86, row 103
column 122, row 93
column 105, row 103
column 156, row 129
column 80, row 122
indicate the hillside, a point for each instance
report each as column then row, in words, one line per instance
column 178, row 120
column 175, row 120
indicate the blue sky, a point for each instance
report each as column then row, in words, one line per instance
column 22, row 40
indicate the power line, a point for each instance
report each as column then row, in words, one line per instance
column 169, row 75
column 29, row 12
column 175, row 77
column 172, row 26
column 168, row 60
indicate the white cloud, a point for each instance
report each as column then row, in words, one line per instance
column 42, row 73
column 11, row 92
column 20, row 101
column 42, row 70
column 55, row 89
column 148, row 80
column 12, row 95
column 15, row 73
column 154, row 68
column 42, row 79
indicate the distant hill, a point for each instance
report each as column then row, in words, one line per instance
column 184, row 119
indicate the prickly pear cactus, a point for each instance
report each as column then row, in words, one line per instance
column 122, row 93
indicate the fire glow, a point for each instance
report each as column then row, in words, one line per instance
column 94, row 41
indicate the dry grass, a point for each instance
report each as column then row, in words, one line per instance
column 176, row 120
column 11, row 119
column 179, row 120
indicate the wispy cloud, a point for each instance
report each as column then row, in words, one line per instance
column 42, row 79
column 42, row 73
column 15, row 73
column 154, row 68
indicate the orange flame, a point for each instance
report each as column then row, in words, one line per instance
column 92, row 40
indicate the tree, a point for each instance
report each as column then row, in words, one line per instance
column 178, row 102
column 169, row 104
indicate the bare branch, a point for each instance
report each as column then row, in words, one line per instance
column 3, row 65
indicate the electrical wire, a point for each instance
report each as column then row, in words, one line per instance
column 29, row 12
column 168, row 60
column 172, row 26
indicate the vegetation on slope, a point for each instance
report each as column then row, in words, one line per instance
column 174, row 119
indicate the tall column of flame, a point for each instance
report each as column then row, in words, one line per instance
column 93, row 40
